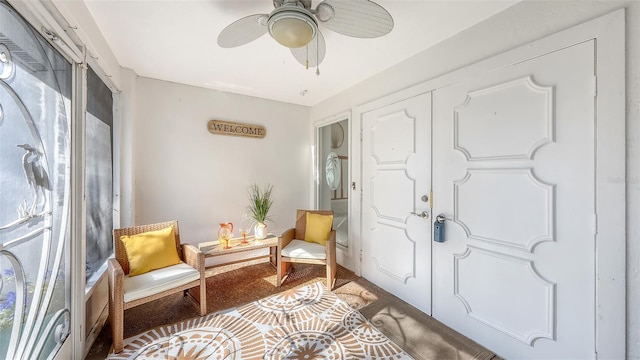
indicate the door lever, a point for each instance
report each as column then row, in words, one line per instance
column 424, row 214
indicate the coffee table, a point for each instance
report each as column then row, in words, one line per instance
column 213, row 249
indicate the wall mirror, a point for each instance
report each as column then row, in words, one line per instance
column 337, row 135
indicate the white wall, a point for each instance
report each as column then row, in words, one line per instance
column 523, row 23
column 124, row 153
column 184, row 172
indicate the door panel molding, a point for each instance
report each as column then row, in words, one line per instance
column 392, row 205
column 527, row 323
column 539, row 103
column 392, row 124
column 530, row 195
column 400, row 270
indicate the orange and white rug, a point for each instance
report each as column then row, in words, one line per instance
column 309, row 322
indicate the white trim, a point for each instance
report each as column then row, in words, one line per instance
column 71, row 40
column 97, row 276
column 77, row 19
column 355, row 207
column 316, row 141
column 610, row 195
column 39, row 17
column 332, row 119
column 117, row 154
column 78, row 209
column 609, row 33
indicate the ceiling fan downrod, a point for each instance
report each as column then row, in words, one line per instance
column 302, row 3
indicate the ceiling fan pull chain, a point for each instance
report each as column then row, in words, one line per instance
column 317, row 56
column 307, row 57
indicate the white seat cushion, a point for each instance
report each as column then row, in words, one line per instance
column 304, row 250
column 157, row 281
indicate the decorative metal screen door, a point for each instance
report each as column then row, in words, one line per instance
column 35, row 92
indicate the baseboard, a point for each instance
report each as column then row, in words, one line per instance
column 96, row 329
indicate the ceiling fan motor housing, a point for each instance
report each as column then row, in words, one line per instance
column 292, row 26
column 304, row 3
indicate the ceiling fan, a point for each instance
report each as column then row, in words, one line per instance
column 294, row 24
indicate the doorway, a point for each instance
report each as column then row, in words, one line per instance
column 333, row 176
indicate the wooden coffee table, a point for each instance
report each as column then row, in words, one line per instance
column 213, row 249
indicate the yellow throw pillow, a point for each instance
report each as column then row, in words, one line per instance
column 151, row 250
column 318, row 228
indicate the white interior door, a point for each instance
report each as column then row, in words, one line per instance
column 396, row 161
column 514, row 173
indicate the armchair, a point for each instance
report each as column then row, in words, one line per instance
column 292, row 248
column 127, row 291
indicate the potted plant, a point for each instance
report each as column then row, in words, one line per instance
column 259, row 204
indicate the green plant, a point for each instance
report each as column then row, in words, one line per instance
column 8, row 299
column 260, row 202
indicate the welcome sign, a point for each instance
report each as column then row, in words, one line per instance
column 236, row 129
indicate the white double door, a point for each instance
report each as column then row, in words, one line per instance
column 510, row 157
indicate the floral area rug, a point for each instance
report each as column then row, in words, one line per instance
column 309, row 322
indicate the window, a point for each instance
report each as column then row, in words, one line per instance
column 99, row 175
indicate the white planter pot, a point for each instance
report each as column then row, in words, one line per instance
column 260, row 231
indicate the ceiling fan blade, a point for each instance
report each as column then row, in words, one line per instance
column 243, row 31
column 314, row 51
column 357, row 18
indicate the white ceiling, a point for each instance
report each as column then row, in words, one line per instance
column 176, row 41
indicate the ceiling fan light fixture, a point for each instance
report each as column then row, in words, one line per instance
column 292, row 28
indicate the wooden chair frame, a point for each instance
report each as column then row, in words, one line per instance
column 118, row 267
column 283, row 262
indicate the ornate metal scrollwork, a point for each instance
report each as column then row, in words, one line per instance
column 7, row 67
column 35, row 196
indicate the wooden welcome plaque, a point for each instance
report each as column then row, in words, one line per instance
column 236, row 129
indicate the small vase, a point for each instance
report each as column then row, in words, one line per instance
column 260, row 231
